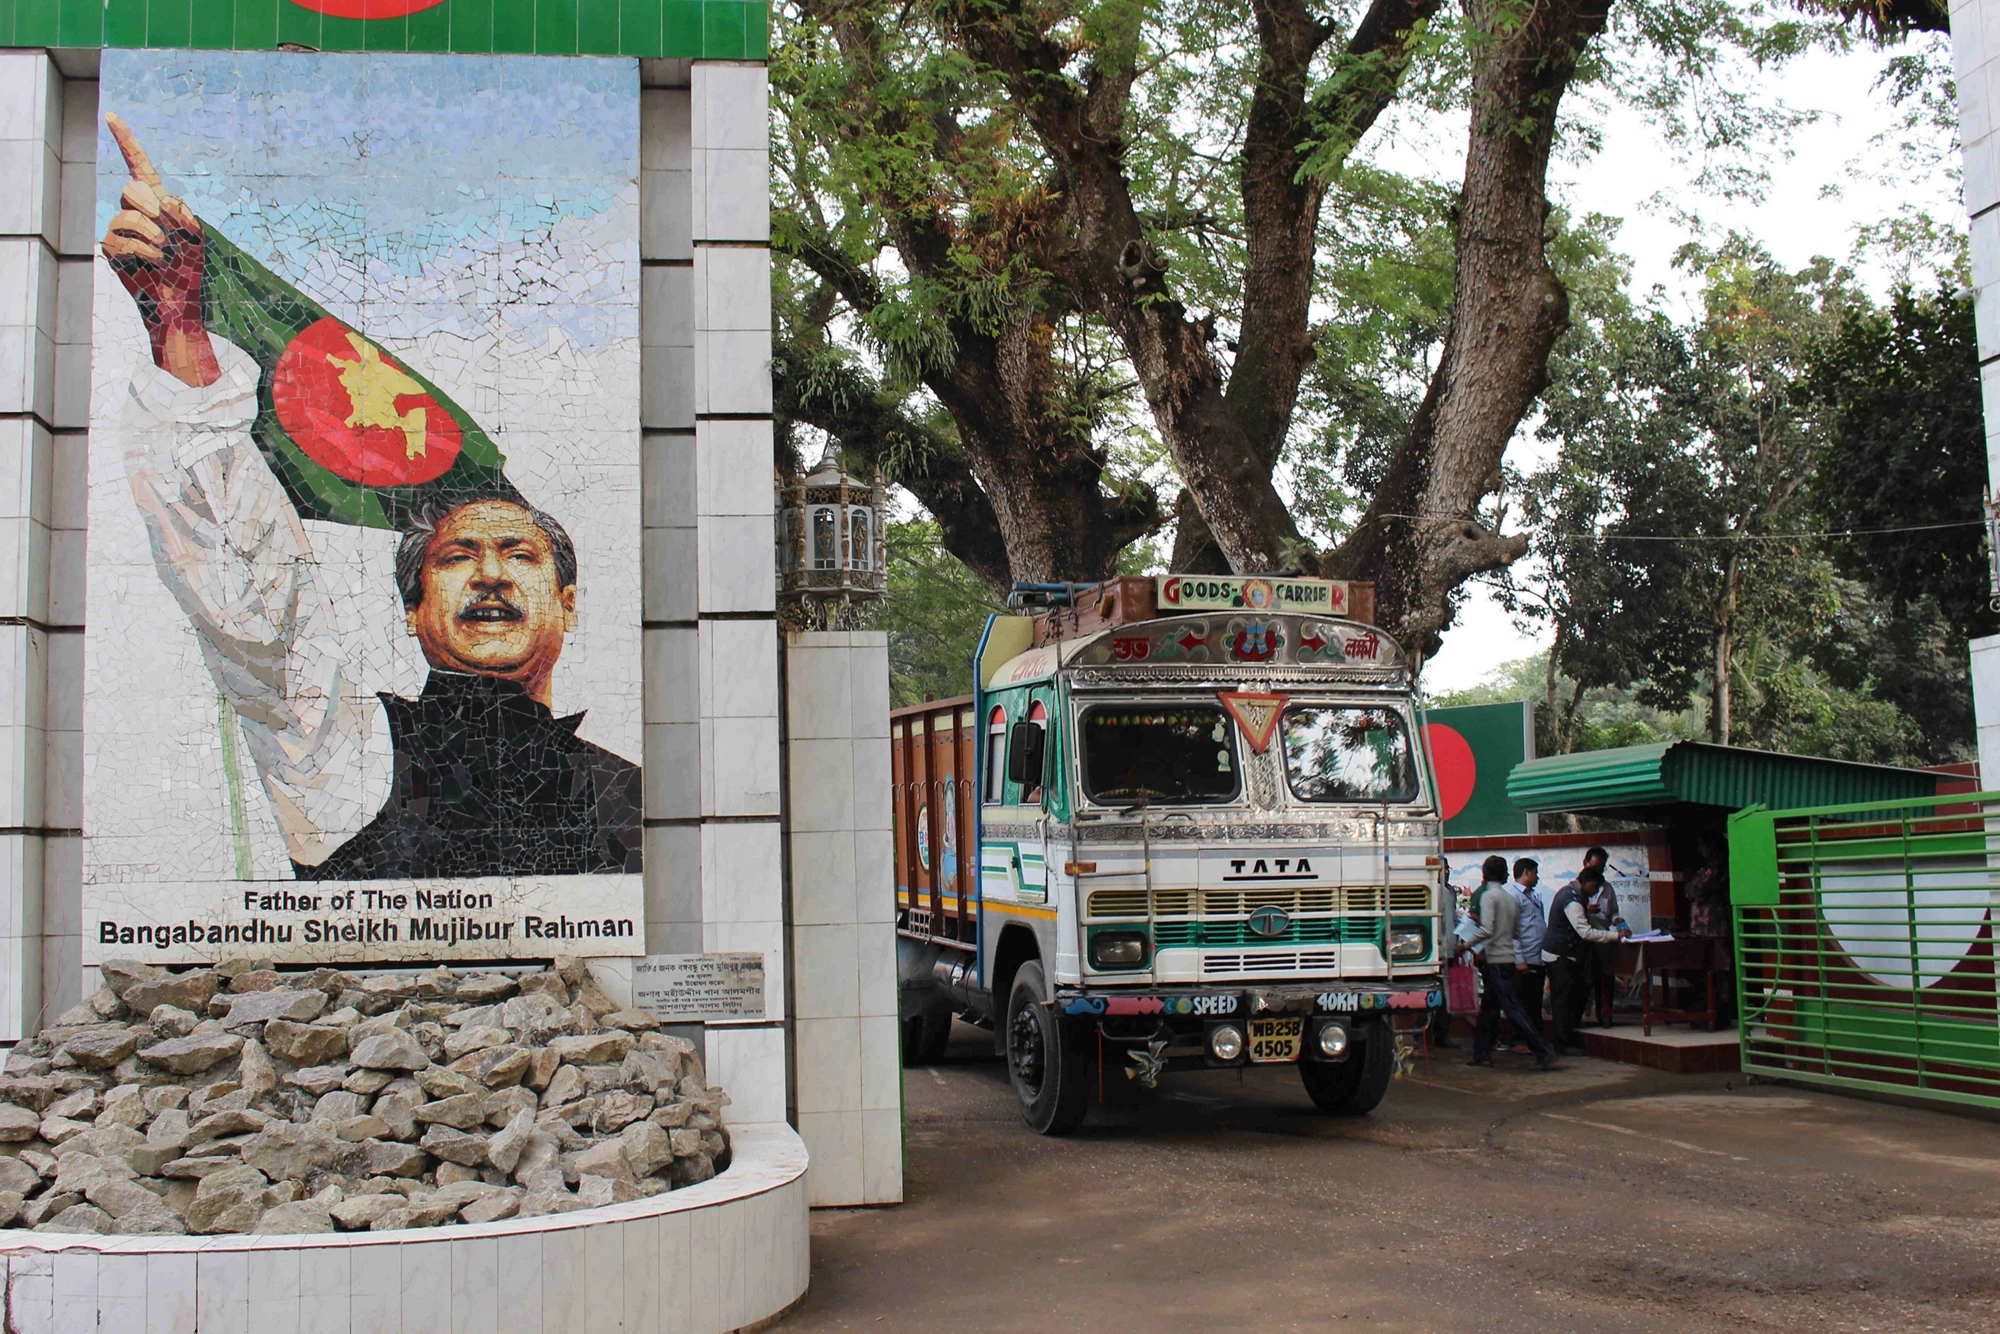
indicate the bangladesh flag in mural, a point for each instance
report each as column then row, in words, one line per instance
column 355, row 435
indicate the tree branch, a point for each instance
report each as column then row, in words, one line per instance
column 1286, row 133
column 1418, row 538
column 850, row 408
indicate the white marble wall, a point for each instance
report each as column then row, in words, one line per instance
column 1975, row 47
column 848, row 1057
column 31, row 175
column 724, row 1255
column 713, row 867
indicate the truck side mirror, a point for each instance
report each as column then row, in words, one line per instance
column 1024, row 754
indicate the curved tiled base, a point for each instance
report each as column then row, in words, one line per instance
column 704, row 1259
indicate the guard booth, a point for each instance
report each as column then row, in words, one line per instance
column 1691, row 788
column 1681, row 791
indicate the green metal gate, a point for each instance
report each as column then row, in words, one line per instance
column 1864, row 945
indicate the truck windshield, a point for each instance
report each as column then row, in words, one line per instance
column 1178, row 754
column 1337, row 752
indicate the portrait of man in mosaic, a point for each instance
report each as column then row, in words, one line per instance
column 368, row 404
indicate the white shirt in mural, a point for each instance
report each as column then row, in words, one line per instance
column 238, row 560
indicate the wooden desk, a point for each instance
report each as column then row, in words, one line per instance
column 1693, row 954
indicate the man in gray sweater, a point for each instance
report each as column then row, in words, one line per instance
column 1492, row 949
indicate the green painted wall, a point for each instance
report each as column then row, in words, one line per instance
column 694, row 29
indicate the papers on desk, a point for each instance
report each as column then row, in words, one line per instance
column 1648, row 937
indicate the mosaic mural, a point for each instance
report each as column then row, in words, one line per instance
column 364, row 665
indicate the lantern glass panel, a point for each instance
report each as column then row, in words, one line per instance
column 860, row 549
column 788, row 557
column 826, row 540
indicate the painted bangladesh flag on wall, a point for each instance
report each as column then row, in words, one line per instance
column 355, row 435
column 1473, row 749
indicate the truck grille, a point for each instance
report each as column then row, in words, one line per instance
column 1237, row 903
column 1302, row 931
column 1304, row 961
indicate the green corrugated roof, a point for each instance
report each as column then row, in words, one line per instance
column 1691, row 771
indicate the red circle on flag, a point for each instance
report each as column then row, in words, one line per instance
column 356, row 412
column 367, row 9
column 1457, row 772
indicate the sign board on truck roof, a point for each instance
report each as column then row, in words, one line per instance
column 1235, row 592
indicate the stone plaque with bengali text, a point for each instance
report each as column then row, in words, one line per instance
column 684, row 988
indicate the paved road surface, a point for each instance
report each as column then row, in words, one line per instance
column 1595, row 1197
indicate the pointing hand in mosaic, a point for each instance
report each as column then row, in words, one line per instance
column 155, row 247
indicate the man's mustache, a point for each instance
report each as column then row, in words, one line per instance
column 491, row 607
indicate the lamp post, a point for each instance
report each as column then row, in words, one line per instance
column 830, row 552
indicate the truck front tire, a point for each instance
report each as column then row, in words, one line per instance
column 1354, row 1086
column 1045, row 1057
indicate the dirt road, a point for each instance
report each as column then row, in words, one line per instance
column 1595, row 1197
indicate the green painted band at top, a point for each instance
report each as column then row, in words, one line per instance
column 684, row 29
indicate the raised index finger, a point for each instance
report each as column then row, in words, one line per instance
column 135, row 157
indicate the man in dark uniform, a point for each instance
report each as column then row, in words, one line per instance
column 488, row 781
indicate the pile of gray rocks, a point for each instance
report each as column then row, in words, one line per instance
column 241, row 1099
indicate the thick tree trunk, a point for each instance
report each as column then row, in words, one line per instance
column 1042, row 480
column 1194, row 550
column 1419, row 539
column 1224, row 438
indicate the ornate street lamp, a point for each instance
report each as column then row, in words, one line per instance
column 830, row 554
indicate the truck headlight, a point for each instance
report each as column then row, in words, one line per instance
column 1409, row 942
column 1118, row 949
column 1225, row 1042
column 1333, row 1039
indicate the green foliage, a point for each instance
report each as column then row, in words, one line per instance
column 1696, row 69
column 1520, row 679
column 932, row 132
column 1681, row 458
column 1786, row 703
column 934, row 615
column 1907, row 449
column 1598, row 719
column 1697, row 465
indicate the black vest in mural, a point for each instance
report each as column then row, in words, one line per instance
column 490, row 782
column 1561, row 938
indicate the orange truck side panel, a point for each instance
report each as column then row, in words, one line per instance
column 934, row 804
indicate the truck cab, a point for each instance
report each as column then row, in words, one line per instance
column 1189, row 822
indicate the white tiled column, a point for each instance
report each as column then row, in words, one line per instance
column 848, row 1056
column 713, row 867
column 69, row 496
column 1975, row 46
column 31, row 93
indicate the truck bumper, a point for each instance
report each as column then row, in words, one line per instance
column 1256, row 1001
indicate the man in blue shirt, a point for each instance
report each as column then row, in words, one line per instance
column 1529, row 972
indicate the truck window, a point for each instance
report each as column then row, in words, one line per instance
column 996, row 757
column 1038, row 718
column 1175, row 754
column 1336, row 752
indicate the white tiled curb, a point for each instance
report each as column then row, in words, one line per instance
column 700, row 1260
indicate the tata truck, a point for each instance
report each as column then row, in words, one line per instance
column 1184, row 822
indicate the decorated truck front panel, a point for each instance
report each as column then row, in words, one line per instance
column 1185, row 817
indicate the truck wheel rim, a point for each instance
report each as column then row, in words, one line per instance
column 1024, row 1048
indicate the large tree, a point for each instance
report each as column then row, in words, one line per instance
column 1063, row 220
column 1669, row 521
